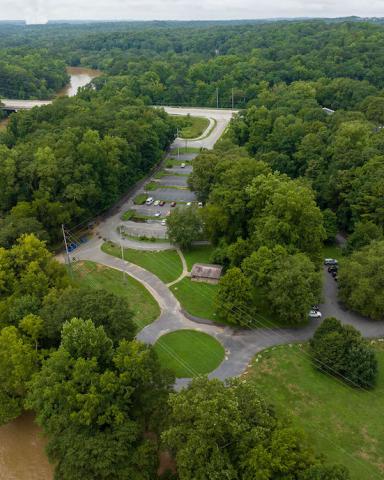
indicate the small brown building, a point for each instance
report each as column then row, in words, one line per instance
column 204, row 272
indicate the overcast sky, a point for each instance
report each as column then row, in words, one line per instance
column 39, row 11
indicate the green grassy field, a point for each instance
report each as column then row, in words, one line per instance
column 193, row 126
column 141, row 302
column 189, row 353
column 196, row 298
column 198, row 254
column 344, row 424
column 165, row 264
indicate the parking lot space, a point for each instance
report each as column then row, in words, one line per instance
column 187, row 169
column 173, row 194
column 174, row 180
column 151, row 210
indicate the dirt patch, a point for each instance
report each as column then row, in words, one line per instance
column 166, row 463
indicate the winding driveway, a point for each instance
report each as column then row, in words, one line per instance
column 240, row 344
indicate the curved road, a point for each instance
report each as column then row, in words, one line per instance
column 240, row 345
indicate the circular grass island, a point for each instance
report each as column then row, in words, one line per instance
column 188, row 353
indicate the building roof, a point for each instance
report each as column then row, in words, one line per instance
column 205, row 270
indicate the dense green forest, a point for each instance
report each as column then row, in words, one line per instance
column 31, row 74
column 71, row 160
column 287, row 177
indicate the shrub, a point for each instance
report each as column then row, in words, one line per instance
column 341, row 351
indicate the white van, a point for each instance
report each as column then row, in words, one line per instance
column 149, row 201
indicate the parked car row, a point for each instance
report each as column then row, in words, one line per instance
column 161, row 203
column 333, row 267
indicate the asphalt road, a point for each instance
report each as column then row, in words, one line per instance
column 174, row 180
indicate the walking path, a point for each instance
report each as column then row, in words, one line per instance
column 184, row 273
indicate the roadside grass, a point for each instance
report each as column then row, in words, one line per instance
column 140, row 199
column 93, row 275
column 332, row 251
column 128, row 215
column 188, row 353
column 165, row 264
column 342, row 423
column 182, row 150
column 192, row 127
column 198, row 254
column 151, row 186
column 143, row 238
column 175, row 187
column 163, row 174
column 197, row 298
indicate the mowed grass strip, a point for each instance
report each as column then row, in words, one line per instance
column 165, row 264
column 195, row 127
column 188, row 353
column 141, row 302
column 342, row 423
column 198, row 254
column 197, row 298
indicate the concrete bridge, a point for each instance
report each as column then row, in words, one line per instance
column 16, row 105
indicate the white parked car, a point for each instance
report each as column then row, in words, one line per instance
column 315, row 314
column 330, row 261
column 158, row 214
column 156, row 203
column 200, row 204
column 163, row 222
column 182, row 165
column 189, row 204
column 149, row 201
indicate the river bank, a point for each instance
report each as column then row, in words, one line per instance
column 22, row 454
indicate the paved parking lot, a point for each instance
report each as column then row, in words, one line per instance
column 173, row 194
column 174, row 180
column 187, row 169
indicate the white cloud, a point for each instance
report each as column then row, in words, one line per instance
column 38, row 11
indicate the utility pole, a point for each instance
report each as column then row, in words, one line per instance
column 122, row 256
column 233, row 101
column 178, row 147
column 67, row 251
column 217, row 97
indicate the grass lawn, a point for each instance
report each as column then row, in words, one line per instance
column 128, row 215
column 344, row 424
column 166, row 264
column 140, row 199
column 151, row 186
column 332, row 251
column 193, row 126
column 196, row 298
column 189, row 353
column 141, row 302
column 198, row 254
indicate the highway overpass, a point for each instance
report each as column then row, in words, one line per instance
column 16, row 105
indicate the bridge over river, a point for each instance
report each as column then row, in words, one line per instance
column 16, row 105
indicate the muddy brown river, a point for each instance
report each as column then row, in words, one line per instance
column 22, row 455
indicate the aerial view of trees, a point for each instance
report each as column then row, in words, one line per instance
column 301, row 163
column 341, row 351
